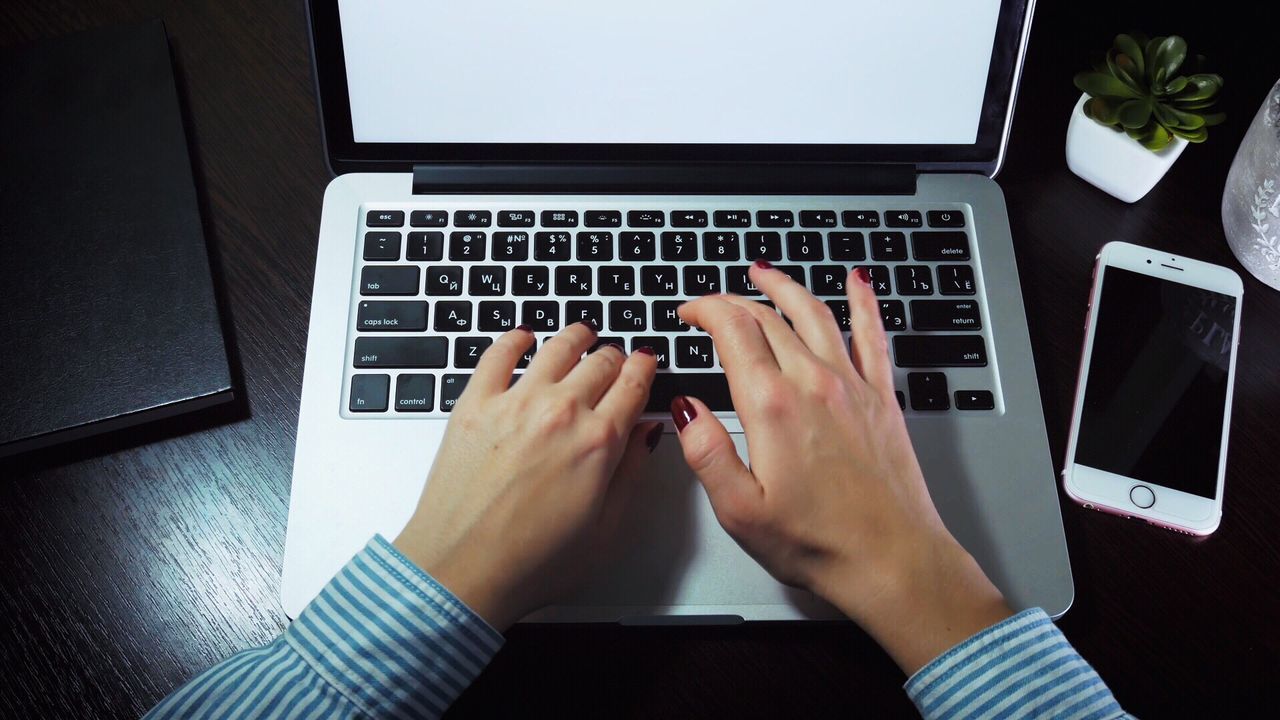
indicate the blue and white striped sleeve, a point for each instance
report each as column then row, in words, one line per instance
column 1022, row 667
column 382, row 639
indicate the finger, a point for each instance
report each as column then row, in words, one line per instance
column 560, row 354
column 812, row 319
column 710, row 453
column 589, row 380
column 498, row 362
column 868, row 345
column 625, row 398
column 627, row 478
column 789, row 351
column 737, row 333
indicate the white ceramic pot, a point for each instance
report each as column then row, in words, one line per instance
column 1113, row 161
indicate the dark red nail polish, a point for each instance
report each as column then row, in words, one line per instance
column 654, row 436
column 861, row 274
column 764, row 264
column 590, row 325
column 645, row 349
column 682, row 412
column 525, row 328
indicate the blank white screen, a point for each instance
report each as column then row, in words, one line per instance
column 667, row 71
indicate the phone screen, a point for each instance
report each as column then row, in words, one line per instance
column 1157, row 387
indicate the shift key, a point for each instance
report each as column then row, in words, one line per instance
column 940, row 351
column 401, row 352
column 383, row 316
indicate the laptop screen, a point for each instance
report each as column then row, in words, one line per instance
column 710, row 72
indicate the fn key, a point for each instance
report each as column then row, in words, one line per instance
column 369, row 393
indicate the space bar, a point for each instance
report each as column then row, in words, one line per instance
column 710, row 388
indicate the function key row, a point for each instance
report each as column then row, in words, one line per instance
column 658, row 218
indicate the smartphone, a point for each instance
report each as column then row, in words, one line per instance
column 1153, row 400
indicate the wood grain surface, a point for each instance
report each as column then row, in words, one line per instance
column 134, row 561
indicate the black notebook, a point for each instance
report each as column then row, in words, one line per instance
column 107, row 310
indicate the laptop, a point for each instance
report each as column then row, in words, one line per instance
column 507, row 162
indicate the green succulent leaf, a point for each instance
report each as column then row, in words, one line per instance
column 1130, row 46
column 1102, row 110
column 1125, row 70
column 1158, row 139
column 1198, row 135
column 1149, row 55
column 1174, row 86
column 1170, row 54
column 1202, row 86
column 1134, row 113
column 1214, row 119
column 1097, row 84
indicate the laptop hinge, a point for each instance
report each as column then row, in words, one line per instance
column 668, row 179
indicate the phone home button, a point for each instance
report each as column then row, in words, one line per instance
column 1142, row 496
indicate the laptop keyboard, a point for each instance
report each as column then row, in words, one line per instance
column 435, row 285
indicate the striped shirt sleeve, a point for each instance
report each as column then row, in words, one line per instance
column 382, row 639
column 1022, row 667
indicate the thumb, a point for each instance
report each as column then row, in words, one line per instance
column 711, row 454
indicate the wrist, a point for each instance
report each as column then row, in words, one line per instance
column 483, row 595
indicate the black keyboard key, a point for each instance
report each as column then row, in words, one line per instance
column 894, row 315
column 487, row 280
column 679, row 246
column 828, row 279
column 383, row 316
column 955, row 280
column 637, row 246
column 804, row 246
column 928, row 391
column 551, row 246
column 860, row 218
column 427, row 245
column 415, row 393
column 401, row 352
column 738, row 282
column 945, row 219
column 902, row 218
column 453, row 316
column 840, row 310
column 879, row 276
column 661, row 349
column 515, row 218
column 940, row 245
column 975, row 400
column 472, row 218
column 646, row 218
column 940, row 351
column 595, row 246
column 617, row 281
column 945, row 315
column 603, row 340
column 627, row 316
column 369, row 393
column 382, row 246
column 775, row 218
column 888, row 246
column 588, row 311
column 711, row 388
column 389, row 280
column 497, row 315
column 541, row 315
column 846, row 246
column 666, row 317
column 465, row 246
column 511, row 246
column 428, row 218
column 764, row 246
column 701, row 280
column 902, row 399
column 689, row 218
column 817, row 219
column 603, row 218
column 384, row 218
column 914, row 280
column 467, row 350
column 795, row 271
column 694, row 351
column 732, row 218
column 658, row 280
column 530, row 280
column 559, row 218
column 573, row 280
column 444, row 280
column 721, row 247
column 451, row 387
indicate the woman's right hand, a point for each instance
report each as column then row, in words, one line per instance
column 834, row 500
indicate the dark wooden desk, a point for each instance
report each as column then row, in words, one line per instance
column 133, row 562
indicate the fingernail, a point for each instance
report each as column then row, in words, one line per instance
column 654, row 436
column 862, row 275
column 764, row 264
column 682, row 412
column 613, row 345
column 525, row 328
column 590, row 325
column 645, row 349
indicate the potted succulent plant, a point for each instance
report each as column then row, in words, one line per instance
column 1137, row 114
